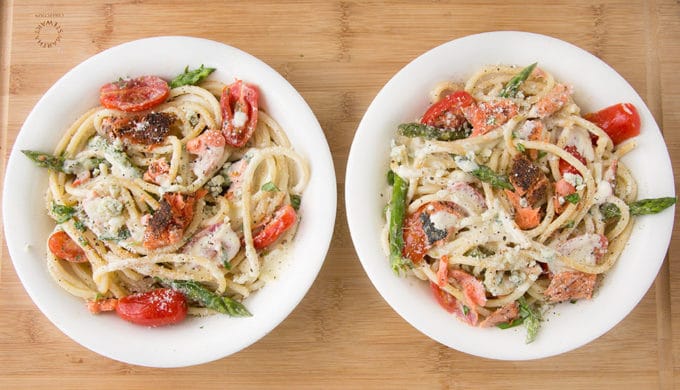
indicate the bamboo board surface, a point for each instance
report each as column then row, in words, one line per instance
column 338, row 54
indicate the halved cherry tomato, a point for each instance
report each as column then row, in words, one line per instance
column 283, row 220
column 239, row 103
column 132, row 95
column 445, row 300
column 565, row 166
column 620, row 121
column 416, row 243
column 163, row 306
column 448, row 113
column 62, row 246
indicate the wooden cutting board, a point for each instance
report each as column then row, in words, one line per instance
column 338, row 54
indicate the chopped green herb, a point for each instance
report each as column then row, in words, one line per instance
column 295, row 201
column 62, row 213
column 527, row 316
column 479, row 252
column 572, row 198
column 520, row 147
column 569, row 224
column 83, row 241
column 191, row 77
column 123, row 234
column 466, row 310
column 80, row 226
column 270, row 187
column 541, row 154
column 610, row 211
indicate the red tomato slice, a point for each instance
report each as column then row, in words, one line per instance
column 163, row 306
column 620, row 121
column 283, row 220
column 565, row 166
column 62, row 246
column 239, row 103
column 445, row 300
column 448, row 113
column 132, row 95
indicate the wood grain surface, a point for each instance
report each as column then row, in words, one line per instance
column 338, row 54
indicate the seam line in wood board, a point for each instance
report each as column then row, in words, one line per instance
column 664, row 330
column 6, row 17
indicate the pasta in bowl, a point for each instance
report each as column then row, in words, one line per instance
column 479, row 223
column 505, row 197
column 177, row 196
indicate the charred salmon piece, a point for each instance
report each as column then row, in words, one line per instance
column 571, row 285
column 524, row 175
column 147, row 129
column 506, row 313
column 166, row 225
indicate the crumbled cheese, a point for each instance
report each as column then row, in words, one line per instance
column 604, row 191
column 443, row 220
column 466, row 164
column 240, row 119
column 575, row 180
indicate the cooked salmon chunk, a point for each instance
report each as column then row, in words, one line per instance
column 571, row 285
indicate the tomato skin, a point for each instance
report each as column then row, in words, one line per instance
column 283, row 220
column 239, row 97
column 138, row 94
column 62, row 246
column 565, row 166
column 453, row 103
column 445, row 300
column 159, row 307
column 620, row 121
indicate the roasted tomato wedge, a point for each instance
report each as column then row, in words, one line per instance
column 62, row 246
column 239, row 103
column 163, row 306
column 565, row 166
column 283, row 220
column 132, row 95
column 448, row 113
column 620, row 121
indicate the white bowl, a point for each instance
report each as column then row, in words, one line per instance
column 405, row 97
column 197, row 340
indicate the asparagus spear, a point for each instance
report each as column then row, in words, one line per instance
column 497, row 180
column 510, row 89
column 639, row 207
column 397, row 215
column 45, row 160
column 191, row 77
column 196, row 292
column 415, row 129
column 650, row 206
